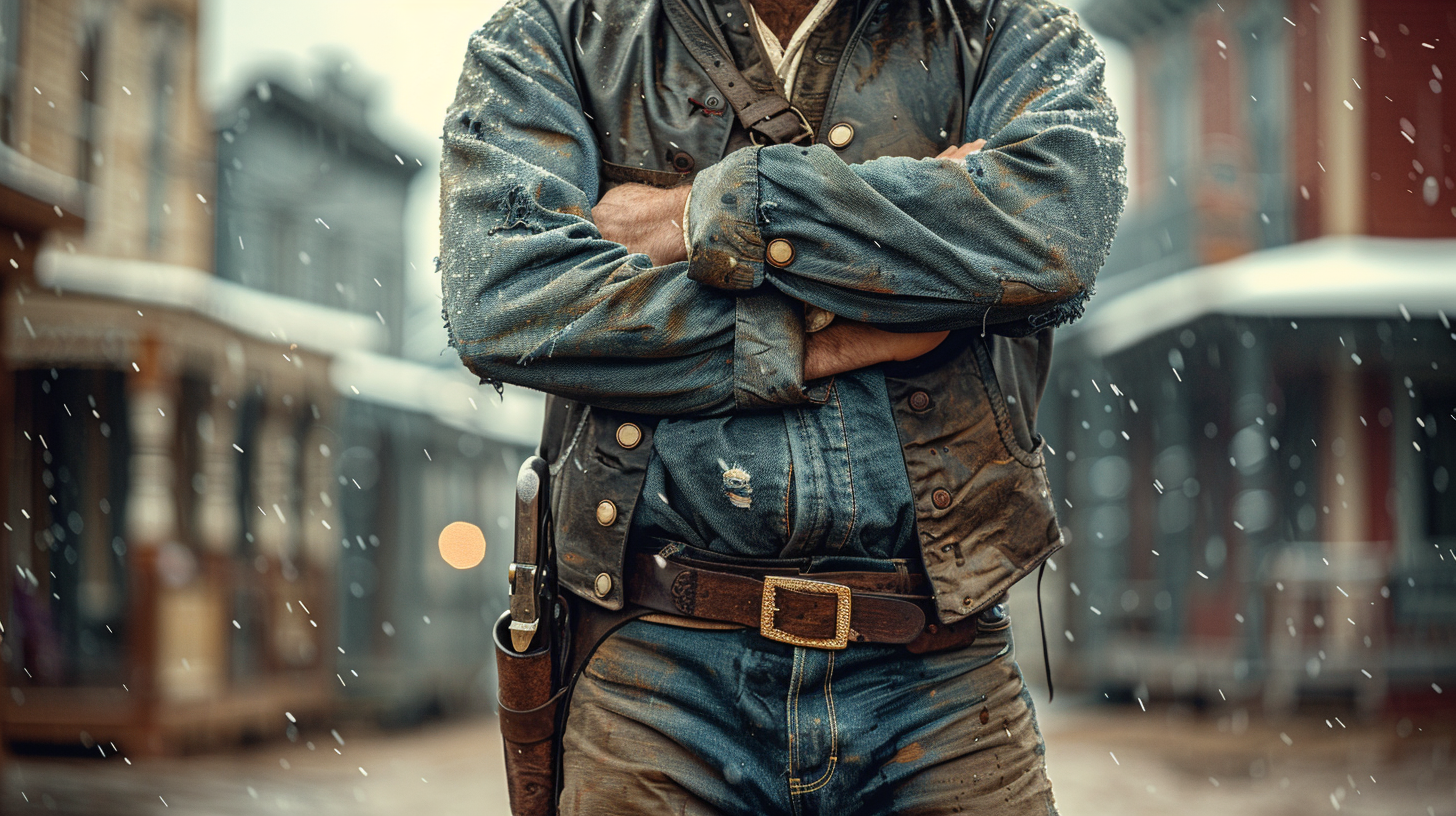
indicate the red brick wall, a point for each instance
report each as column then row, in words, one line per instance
column 1224, row 196
column 1402, row 100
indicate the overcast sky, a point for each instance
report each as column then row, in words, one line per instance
column 412, row 53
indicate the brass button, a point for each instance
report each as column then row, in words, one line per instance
column 920, row 400
column 681, row 160
column 941, row 499
column 629, row 435
column 840, row 135
column 603, row 585
column 780, row 252
column 606, row 513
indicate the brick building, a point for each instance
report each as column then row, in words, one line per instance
column 1255, row 419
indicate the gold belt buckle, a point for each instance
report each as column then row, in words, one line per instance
column 771, row 585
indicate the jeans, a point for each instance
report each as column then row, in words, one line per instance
column 673, row 720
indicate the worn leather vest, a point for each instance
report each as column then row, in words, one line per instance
column 965, row 414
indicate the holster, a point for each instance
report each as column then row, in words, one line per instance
column 535, row 691
column 529, row 705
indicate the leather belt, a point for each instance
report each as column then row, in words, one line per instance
column 818, row 610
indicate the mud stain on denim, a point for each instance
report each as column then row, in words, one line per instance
column 909, row 753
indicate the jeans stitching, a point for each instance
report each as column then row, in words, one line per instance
column 849, row 465
column 813, row 509
column 833, row 763
column 795, row 679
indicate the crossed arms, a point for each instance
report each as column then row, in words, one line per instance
column 549, row 285
column 641, row 217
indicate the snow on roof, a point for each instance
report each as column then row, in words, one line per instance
column 1341, row 276
column 250, row 311
column 451, row 395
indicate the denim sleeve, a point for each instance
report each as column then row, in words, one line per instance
column 1012, row 235
column 534, row 295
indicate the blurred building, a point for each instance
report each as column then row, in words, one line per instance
column 1254, row 422
column 180, row 446
column 311, row 206
column 153, row 409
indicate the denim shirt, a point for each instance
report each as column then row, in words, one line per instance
column 749, row 458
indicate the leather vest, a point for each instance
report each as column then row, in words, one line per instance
column 965, row 414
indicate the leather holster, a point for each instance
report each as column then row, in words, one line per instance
column 528, row 705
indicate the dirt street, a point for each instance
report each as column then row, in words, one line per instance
column 1103, row 760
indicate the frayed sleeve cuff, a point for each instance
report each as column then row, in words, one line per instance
column 725, row 247
column 768, row 354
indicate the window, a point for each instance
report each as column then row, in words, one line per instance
column 1436, row 436
column 72, row 449
column 90, row 149
column 166, row 40
column 9, row 67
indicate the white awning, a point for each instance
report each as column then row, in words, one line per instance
column 1346, row 276
column 451, row 395
column 448, row 394
column 251, row 311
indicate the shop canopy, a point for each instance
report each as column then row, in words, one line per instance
column 1346, row 276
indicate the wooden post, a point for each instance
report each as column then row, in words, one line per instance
column 151, row 519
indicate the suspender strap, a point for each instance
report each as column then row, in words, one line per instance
column 767, row 115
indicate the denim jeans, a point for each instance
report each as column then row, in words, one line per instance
column 673, row 720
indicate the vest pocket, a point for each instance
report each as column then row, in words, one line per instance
column 1031, row 457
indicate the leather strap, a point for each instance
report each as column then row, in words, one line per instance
column 765, row 114
column 877, row 613
column 533, row 724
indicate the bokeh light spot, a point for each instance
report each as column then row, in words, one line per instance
column 462, row 545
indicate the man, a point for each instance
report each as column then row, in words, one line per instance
column 795, row 360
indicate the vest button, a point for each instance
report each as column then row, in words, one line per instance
column 629, row 435
column 713, row 103
column 606, row 513
column 602, row 586
column 780, row 253
column 940, row 498
column 840, row 135
column 919, row 400
column 682, row 161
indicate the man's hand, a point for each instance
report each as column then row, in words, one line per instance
column 645, row 219
column 849, row 346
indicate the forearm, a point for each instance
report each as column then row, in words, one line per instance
column 645, row 219
column 850, row 346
